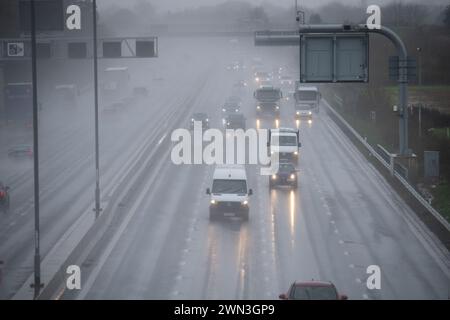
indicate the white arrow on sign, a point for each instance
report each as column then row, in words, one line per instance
column 16, row 49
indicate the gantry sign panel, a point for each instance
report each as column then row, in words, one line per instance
column 334, row 58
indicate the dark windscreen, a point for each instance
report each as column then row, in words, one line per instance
column 286, row 140
column 268, row 94
column 229, row 186
column 305, row 95
column 286, row 167
column 314, row 293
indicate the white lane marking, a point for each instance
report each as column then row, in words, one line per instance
column 162, row 139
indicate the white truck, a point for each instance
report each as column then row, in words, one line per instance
column 116, row 84
column 307, row 101
column 285, row 142
column 229, row 195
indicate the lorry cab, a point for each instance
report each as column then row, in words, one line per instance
column 307, row 98
column 267, row 100
column 229, row 195
column 285, row 142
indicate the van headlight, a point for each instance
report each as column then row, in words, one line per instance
column 274, row 177
column 292, row 176
column 244, row 203
column 272, row 152
column 213, row 201
column 296, row 153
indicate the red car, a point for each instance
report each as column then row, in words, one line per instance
column 313, row 290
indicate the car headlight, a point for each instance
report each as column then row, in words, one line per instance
column 271, row 152
column 298, row 112
column 277, row 107
column 213, row 201
column 237, row 110
column 224, row 110
column 257, row 79
column 274, row 177
column 310, row 113
column 292, row 176
column 244, row 203
column 258, row 107
column 192, row 119
column 296, row 153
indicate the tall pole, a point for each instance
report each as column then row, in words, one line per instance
column 97, row 208
column 37, row 257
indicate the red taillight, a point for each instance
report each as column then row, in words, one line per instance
column 2, row 194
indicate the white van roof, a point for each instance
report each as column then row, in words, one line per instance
column 117, row 69
column 230, row 172
column 307, row 88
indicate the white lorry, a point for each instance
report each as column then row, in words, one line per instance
column 307, row 101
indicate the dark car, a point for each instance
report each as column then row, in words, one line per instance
column 285, row 176
column 21, row 151
column 312, row 290
column 230, row 107
column 199, row 116
column 235, row 121
column 4, row 198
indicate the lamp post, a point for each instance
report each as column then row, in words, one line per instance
column 37, row 257
column 97, row 208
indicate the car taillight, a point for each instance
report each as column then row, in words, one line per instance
column 2, row 194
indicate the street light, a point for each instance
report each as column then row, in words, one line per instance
column 97, row 208
column 37, row 258
column 419, row 51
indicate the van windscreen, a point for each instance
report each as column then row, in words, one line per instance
column 229, row 186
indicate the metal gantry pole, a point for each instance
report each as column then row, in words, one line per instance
column 37, row 257
column 403, row 68
column 97, row 208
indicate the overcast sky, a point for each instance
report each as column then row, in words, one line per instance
column 173, row 5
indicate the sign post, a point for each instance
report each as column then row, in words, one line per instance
column 322, row 64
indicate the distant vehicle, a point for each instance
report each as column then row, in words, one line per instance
column 66, row 95
column 235, row 121
column 236, row 66
column 21, row 151
column 140, row 92
column 262, row 76
column 199, row 116
column 267, row 100
column 312, row 290
column 4, row 198
column 229, row 195
column 240, row 84
column 285, row 142
column 116, row 83
column 231, row 106
column 286, row 81
column 303, row 111
column 307, row 96
column 19, row 103
column 286, row 176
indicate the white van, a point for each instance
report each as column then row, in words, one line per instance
column 229, row 195
column 285, row 142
